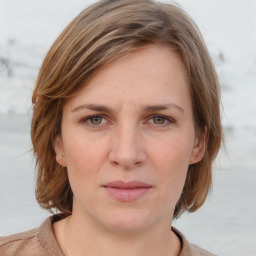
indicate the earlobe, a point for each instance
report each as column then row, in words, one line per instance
column 60, row 160
column 58, row 148
column 199, row 148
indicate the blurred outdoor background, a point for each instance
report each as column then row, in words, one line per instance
column 226, row 224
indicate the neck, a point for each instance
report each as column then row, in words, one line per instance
column 81, row 236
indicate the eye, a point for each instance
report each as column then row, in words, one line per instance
column 94, row 121
column 161, row 120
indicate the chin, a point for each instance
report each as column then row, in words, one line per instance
column 128, row 221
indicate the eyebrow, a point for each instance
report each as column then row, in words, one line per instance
column 148, row 108
column 92, row 107
column 151, row 108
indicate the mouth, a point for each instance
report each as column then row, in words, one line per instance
column 127, row 191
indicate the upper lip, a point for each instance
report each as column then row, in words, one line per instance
column 127, row 185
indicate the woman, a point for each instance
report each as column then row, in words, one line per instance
column 125, row 128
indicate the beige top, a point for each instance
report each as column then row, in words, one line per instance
column 42, row 242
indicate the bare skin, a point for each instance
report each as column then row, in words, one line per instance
column 113, row 244
column 133, row 121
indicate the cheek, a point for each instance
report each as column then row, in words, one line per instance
column 174, row 152
column 84, row 159
column 84, row 163
column 171, row 162
column 82, row 151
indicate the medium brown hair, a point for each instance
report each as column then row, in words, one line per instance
column 100, row 34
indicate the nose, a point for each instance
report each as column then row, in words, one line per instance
column 127, row 149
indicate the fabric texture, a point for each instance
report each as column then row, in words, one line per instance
column 42, row 242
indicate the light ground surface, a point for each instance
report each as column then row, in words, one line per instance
column 226, row 224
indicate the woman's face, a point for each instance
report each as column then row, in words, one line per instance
column 127, row 140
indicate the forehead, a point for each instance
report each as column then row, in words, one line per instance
column 151, row 73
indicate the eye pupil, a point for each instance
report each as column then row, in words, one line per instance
column 96, row 120
column 158, row 120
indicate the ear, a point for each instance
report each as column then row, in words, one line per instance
column 59, row 151
column 199, row 148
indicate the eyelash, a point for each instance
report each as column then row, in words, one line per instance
column 166, row 118
column 87, row 120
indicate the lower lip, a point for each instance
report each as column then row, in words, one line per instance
column 127, row 195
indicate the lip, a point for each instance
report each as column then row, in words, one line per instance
column 127, row 191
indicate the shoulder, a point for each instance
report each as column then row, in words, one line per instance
column 36, row 242
column 197, row 251
column 188, row 249
column 18, row 243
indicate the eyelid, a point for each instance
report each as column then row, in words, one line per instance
column 87, row 118
column 167, row 118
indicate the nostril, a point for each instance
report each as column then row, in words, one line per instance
column 127, row 155
column 115, row 163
